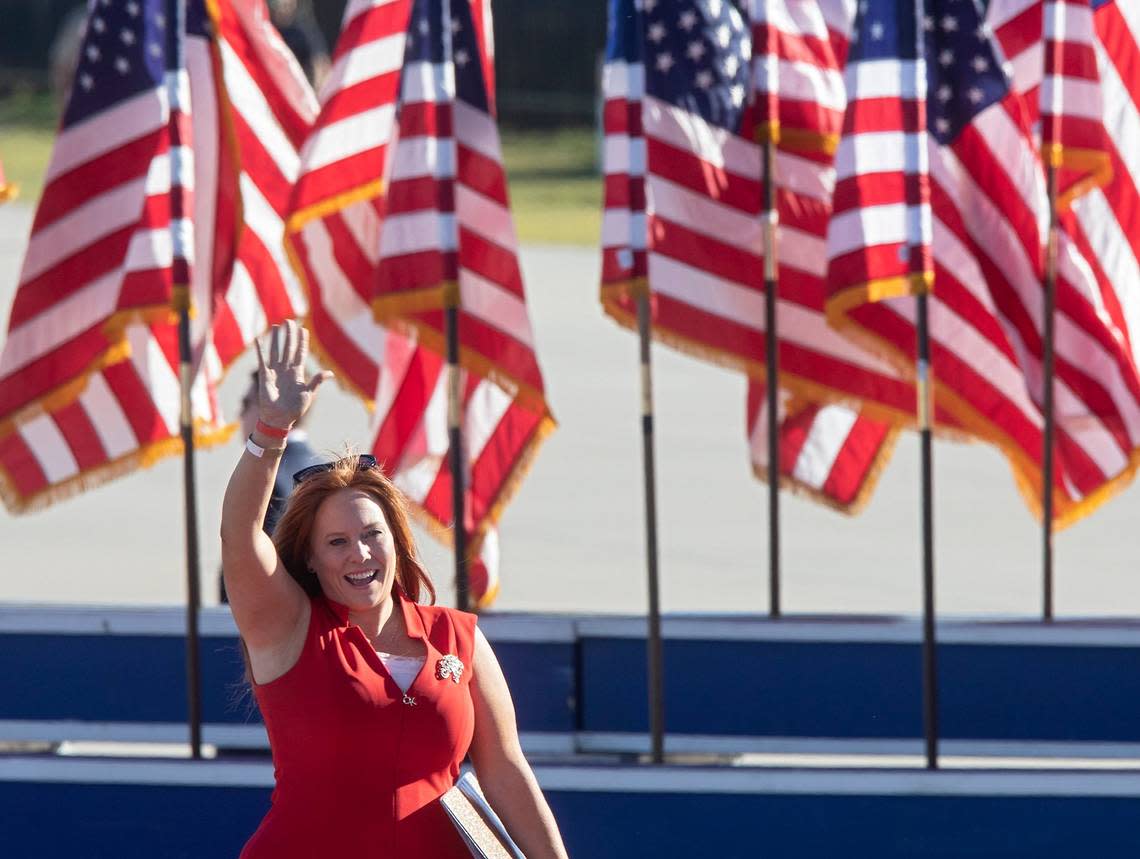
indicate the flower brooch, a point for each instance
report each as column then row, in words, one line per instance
column 449, row 667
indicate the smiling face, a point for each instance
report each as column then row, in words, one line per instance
column 352, row 551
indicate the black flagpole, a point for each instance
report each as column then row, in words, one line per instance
column 181, row 300
column 1047, row 405
column 925, row 413
column 655, row 659
column 773, row 376
column 455, row 459
column 1048, row 368
column 929, row 658
column 455, row 456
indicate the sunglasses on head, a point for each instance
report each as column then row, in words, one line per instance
column 363, row 463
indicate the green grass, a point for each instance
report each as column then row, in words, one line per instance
column 27, row 127
column 556, row 192
column 24, row 153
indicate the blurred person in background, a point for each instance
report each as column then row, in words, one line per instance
column 294, row 21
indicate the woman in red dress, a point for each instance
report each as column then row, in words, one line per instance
column 371, row 700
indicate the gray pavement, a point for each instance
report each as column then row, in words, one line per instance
column 574, row 537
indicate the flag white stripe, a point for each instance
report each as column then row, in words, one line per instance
column 868, row 226
column 1027, row 69
column 496, row 306
column 1003, row 11
column 424, row 156
column 798, row 249
column 485, row 217
column 734, row 154
column 714, row 146
column 1114, row 252
column 83, row 226
column 246, row 96
column 162, row 382
column 1121, row 120
column 364, row 62
column 356, row 8
column 704, row 216
column 1130, row 13
column 150, row 249
column 985, row 358
column 427, row 82
column 797, row 324
column 106, row 415
column 350, row 136
column 877, row 152
column 65, row 319
column 800, row 81
column 624, row 155
column 622, row 227
column 622, row 80
column 107, row 131
column 1077, row 98
column 352, row 315
column 798, row 18
column 1069, row 26
column 414, row 232
column 263, row 220
column 825, row 441
column 486, row 407
column 363, row 222
column 245, row 303
column 477, row 131
column 885, row 78
column 425, row 451
column 49, row 448
column 397, row 351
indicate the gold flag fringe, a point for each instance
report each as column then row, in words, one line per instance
column 118, row 350
column 205, row 435
column 974, row 426
column 510, row 486
column 1026, row 473
column 1095, row 163
column 863, row 494
column 334, row 204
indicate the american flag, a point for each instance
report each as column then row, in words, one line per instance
column 1105, row 224
column 879, row 234
column 1050, row 46
column 828, row 452
column 399, row 218
column 800, row 50
column 89, row 383
column 700, row 244
column 990, row 219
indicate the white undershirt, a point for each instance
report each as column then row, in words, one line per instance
column 403, row 669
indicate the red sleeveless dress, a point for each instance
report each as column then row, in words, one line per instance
column 358, row 767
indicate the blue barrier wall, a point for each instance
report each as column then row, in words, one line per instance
column 579, row 682
column 617, row 812
column 128, row 677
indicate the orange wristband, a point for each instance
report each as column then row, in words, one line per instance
column 274, row 432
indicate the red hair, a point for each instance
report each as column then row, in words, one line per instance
column 294, row 529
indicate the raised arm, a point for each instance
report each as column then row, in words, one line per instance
column 268, row 606
column 504, row 774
